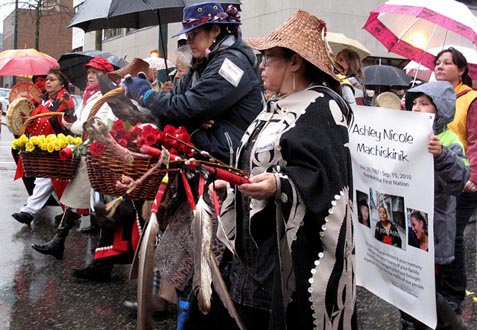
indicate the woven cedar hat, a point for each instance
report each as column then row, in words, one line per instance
column 303, row 34
column 133, row 68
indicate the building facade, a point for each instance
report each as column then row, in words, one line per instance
column 54, row 38
column 259, row 18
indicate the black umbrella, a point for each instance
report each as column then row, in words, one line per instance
column 107, row 14
column 72, row 64
column 385, row 75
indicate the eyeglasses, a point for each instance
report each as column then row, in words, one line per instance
column 267, row 59
column 191, row 34
column 51, row 79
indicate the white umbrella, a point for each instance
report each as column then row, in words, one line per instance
column 158, row 63
column 339, row 41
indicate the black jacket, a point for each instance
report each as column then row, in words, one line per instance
column 213, row 97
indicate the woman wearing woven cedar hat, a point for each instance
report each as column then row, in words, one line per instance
column 56, row 99
column 77, row 194
column 300, row 191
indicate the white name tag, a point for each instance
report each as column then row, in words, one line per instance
column 231, row 72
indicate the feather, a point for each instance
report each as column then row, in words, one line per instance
column 201, row 228
column 121, row 106
column 223, row 293
column 206, row 270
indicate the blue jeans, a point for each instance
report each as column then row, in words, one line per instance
column 453, row 278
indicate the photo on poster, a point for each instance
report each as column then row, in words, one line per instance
column 417, row 224
column 363, row 208
column 387, row 215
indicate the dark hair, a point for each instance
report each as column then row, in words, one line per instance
column 225, row 30
column 35, row 77
column 362, row 202
column 314, row 74
column 354, row 63
column 418, row 216
column 459, row 59
column 410, row 97
column 60, row 75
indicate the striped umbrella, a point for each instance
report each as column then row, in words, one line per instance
column 16, row 62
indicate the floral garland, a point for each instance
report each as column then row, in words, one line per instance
column 134, row 137
column 63, row 144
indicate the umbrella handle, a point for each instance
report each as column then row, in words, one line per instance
column 101, row 101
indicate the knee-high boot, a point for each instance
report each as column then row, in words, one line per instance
column 56, row 245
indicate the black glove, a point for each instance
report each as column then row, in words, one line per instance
column 70, row 115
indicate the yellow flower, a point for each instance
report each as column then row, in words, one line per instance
column 23, row 139
column 29, row 146
column 49, row 143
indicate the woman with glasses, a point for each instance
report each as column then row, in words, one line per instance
column 55, row 99
column 216, row 101
column 293, row 253
column 77, row 194
column 221, row 85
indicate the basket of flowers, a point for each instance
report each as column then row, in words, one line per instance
column 114, row 156
column 48, row 156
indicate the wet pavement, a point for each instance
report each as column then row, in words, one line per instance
column 37, row 292
column 376, row 314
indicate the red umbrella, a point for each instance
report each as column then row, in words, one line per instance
column 17, row 62
column 419, row 29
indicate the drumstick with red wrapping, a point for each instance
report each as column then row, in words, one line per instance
column 219, row 173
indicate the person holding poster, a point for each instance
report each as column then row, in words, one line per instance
column 451, row 65
column 451, row 174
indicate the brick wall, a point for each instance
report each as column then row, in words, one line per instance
column 55, row 38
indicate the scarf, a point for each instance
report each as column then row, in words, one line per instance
column 90, row 90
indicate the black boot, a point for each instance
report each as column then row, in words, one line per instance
column 99, row 270
column 56, row 245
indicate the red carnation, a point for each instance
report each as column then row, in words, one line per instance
column 169, row 129
column 150, row 140
column 148, row 129
column 66, row 153
column 140, row 141
column 123, row 142
column 119, row 126
column 97, row 148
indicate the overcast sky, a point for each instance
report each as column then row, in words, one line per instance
column 6, row 7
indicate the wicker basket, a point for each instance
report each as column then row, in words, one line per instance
column 105, row 170
column 43, row 164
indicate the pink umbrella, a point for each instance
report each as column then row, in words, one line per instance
column 411, row 28
column 16, row 62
